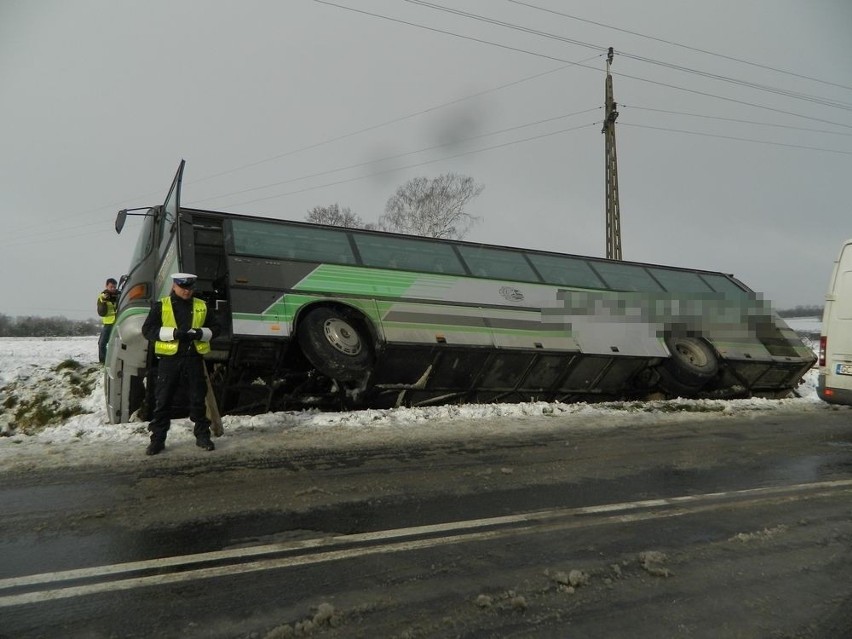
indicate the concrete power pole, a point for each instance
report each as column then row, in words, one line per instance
column 613, row 213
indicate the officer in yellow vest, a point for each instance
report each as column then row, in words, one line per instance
column 106, row 310
column 180, row 328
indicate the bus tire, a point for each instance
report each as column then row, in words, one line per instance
column 334, row 344
column 691, row 366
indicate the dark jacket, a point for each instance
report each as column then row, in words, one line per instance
column 183, row 317
column 104, row 300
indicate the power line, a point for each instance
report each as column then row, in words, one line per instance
column 419, row 164
column 745, row 83
column 738, row 139
column 508, row 25
column 779, row 91
column 734, row 100
column 40, row 239
column 624, row 75
column 449, row 33
column 373, row 127
column 67, row 216
column 53, row 234
column 528, row 139
column 328, row 141
column 399, row 155
column 436, row 107
column 622, row 105
column 683, row 46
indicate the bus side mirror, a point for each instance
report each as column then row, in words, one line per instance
column 120, row 219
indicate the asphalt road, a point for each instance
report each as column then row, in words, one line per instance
column 737, row 527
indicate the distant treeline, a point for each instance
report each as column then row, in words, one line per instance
column 47, row 327
column 802, row 311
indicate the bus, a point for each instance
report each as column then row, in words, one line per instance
column 339, row 318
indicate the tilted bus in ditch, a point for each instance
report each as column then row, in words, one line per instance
column 332, row 317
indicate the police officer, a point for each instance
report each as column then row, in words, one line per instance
column 106, row 310
column 180, row 328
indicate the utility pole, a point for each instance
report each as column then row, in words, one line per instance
column 613, row 213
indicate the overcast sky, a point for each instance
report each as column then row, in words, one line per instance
column 734, row 135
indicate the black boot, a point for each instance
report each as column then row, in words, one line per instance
column 156, row 446
column 204, row 441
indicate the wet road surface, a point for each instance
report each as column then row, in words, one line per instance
column 287, row 533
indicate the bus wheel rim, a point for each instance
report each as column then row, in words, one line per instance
column 691, row 354
column 342, row 336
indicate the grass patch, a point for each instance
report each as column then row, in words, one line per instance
column 68, row 364
column 47, row 397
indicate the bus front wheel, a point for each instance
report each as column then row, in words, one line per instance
column 334, row 344
column 691, row 366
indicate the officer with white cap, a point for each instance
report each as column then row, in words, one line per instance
column 180, row 328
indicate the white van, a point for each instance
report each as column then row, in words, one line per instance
column 834, row 384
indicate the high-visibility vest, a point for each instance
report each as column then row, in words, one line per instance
column 109, row 318
column 199, row 314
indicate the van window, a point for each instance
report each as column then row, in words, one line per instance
column 843, row 293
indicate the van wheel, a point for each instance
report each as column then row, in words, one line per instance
column 691, row 366
column 334, row 344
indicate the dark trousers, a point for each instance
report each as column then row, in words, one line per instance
column 175, row 372
column 103, row 340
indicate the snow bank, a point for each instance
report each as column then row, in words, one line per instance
column 29, row 366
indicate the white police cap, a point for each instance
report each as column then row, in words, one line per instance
column 184, row 279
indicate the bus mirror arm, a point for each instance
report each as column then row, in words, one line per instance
column 121, row 216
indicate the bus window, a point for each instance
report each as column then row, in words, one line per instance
column 626, row 277
column 407, row 254
column 167, row 227
column 843, row 295
column 497, row 264
column 566, row 271
column 722, row 284
column 169, row 216
column 680, row 281
column 282, row 241
column 145, row 241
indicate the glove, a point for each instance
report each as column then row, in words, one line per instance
column 180, row 333
column 194, row 333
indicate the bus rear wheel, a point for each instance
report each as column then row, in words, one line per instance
column 334, row 344
column 691, row 366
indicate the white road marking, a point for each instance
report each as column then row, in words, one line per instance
column 362, row 544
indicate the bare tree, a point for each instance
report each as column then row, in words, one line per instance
column 335, row 216
column 432, row 208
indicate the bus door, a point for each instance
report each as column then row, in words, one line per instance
column 169, row 248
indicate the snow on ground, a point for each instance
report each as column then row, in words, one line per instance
column 807, row 327
column 40, row 367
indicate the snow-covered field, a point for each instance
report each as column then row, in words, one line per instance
column 63, row 375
